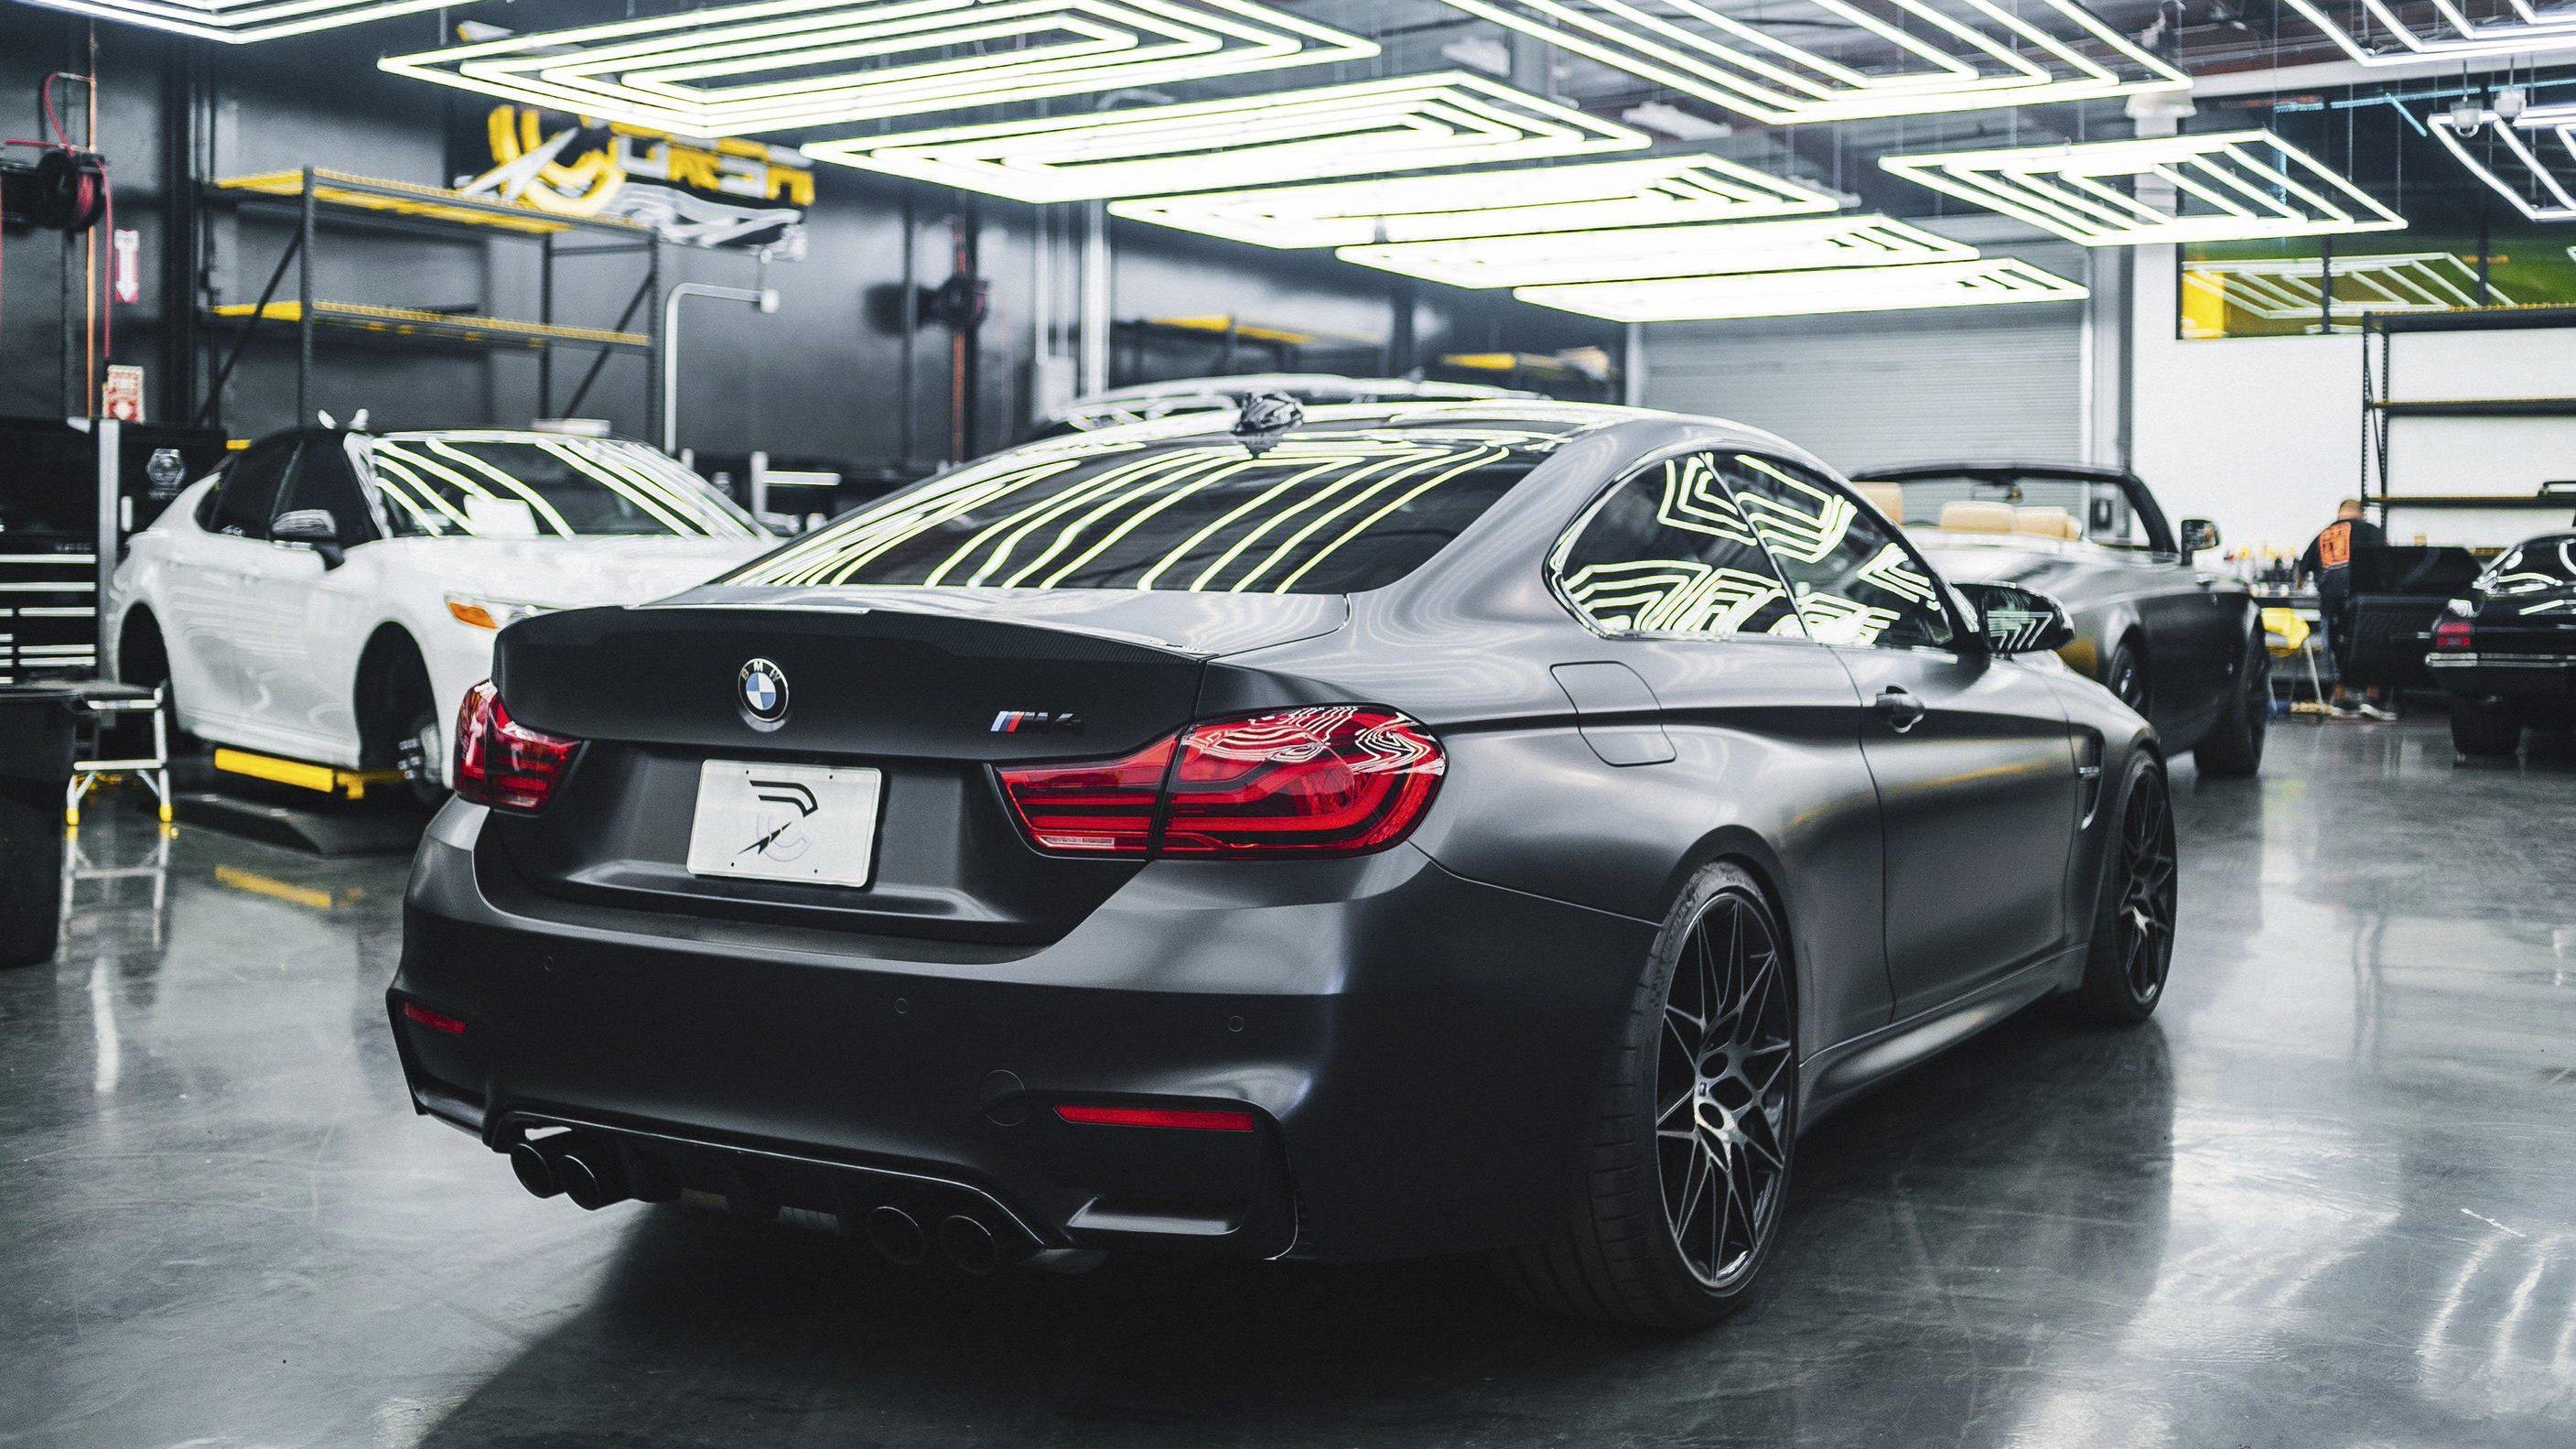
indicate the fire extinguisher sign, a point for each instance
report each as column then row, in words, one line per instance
column 122, row 397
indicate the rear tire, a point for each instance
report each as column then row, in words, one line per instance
column 2482, row 731
column 402, row 726
column 2233, row 748
column 2133, row 925
column 1693, row 1127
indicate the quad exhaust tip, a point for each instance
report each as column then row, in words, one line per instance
column 535, row 1166
column 894, row 1233
column 586, row 1170
column 969, row 1244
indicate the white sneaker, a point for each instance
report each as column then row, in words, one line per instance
column 2372, row 711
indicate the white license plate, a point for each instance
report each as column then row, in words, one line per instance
column 785, row 822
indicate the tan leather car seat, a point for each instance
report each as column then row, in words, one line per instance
column 1887, row 498
column 1971, row 516
column 2046, row 521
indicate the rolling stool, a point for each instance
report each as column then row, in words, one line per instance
column 2286, row 636
column 105, row 703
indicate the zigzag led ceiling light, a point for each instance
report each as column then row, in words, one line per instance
column 1404, row 124
column 1948, row 55
column 1639, row 253
column 1512, row 202
column 737, row 70
column 2228, row 186
column 238, row 22
column 1986, row 282
column 2533, row 164
column 2373, row 33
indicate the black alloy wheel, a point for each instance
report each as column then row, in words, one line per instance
column 2127, row 678
column 1686, row 1158
column 2133, row 932
column 1725, row 1086
column 2233, row 748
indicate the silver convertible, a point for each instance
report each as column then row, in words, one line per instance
column 2177, row 642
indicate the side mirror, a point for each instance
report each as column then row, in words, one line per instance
column 2016, row 620
column 314, row 526
column 2198, row 535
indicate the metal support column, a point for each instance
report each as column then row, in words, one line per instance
column 304, row 225
column 1095, row 298
column 653, row 355
column 546, row 314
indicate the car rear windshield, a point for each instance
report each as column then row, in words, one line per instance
column 1317, row 513
column 517, row 486
column 2534, row 567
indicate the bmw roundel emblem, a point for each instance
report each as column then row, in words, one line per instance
column 762, row 688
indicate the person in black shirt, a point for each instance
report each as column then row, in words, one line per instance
column 2328, row 561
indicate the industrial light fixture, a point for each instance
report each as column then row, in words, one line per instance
column 1638, row 253
column 1406, row 123
column 238, row 22
column 2450, row 33
column 1506, row 202
column 1954, row 55
column 1985, row 282
column 2229, row 185
column 2539, row 155
column 737, row 70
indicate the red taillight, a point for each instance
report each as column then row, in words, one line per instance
column 1197, row 1118
column 1326, row 780
column 414, row 1011
column 2454, row 634
column 502, row 762
column 1332, row 778
column 1105, row 807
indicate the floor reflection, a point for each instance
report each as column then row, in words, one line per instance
column 2322, row 1200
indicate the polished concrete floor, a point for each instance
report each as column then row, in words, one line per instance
column 2328, row 1198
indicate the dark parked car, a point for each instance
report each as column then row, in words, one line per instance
column 2180, row 644
column 1433, row 829
column 2505, row 652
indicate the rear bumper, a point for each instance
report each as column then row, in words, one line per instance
column 2544, row 682
column 1417, row 1050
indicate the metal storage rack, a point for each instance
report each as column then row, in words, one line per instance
column 2379, row 409
column 318, row 197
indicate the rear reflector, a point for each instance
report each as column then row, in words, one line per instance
column 501, row 762
column 1327, row 780
column 414, row 1011
column 1196, row 1118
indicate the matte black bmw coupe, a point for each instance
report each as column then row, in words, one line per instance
column 1400, row 830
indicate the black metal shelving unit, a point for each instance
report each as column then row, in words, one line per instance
column 320, row 199
column 2379, row 408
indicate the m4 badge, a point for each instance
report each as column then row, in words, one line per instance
column 1035, row 722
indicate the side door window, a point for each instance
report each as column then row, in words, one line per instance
column 247, row 498
column 1667, row 553
column 1856, row 583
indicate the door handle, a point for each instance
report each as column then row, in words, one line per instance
column 1899, row 707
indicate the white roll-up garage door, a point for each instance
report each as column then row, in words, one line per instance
column 1878, row 388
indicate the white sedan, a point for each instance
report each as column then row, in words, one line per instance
column 329, row 596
